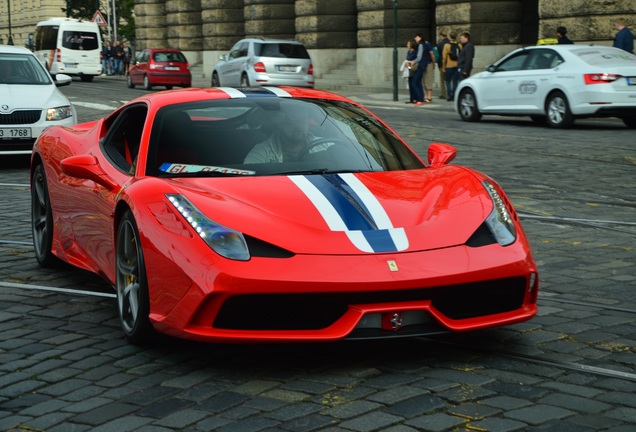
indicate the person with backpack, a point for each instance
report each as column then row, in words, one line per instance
column 450, row 56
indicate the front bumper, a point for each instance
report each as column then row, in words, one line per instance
column 329, row 298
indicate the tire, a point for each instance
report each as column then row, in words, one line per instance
column 42, row 219
column 468, row 108
column 168, row 87
column 557, row 109
column 129, row 82
column 245, row 81
column 630, row 122
column 86, row 78
column 133, row 301
column 147, row 84
column 215, row 80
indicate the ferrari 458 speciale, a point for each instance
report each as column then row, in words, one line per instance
column 277, row 214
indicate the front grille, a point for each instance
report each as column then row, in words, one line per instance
column 20, row 117
column 315, row 311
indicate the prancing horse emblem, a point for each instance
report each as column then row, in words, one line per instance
column 396, row 321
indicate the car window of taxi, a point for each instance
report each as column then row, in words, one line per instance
column 543, row 59
column 513, row 63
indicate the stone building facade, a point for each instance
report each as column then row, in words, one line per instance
column 339, row 32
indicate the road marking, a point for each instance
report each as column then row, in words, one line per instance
column 97, row 106
column 55, row 289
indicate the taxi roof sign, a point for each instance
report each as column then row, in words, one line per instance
column 98, row 19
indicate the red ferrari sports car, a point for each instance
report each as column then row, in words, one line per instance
column 277, row 214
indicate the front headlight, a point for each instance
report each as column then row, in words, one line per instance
column 500, row 220
column 224, row 241
column 59, row 113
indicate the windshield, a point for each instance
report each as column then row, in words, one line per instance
column 22, row 69
column 272, row 136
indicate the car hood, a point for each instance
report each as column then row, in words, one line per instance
column 18, row 96
column 384, row 212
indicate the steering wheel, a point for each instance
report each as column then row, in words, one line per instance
column 335, row 141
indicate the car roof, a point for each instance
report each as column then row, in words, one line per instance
column 163, row 49
column 13, row 49
column 292, row 41
column 195, row 94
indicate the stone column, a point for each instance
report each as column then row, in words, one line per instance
column 375, row 21
column 183, row 23
column 223, row 23
column 270, row 19
column 329, row 31
column 150, row 21
column 494, row 26
column 375, row 35
column 586, row 21
column 326, row 23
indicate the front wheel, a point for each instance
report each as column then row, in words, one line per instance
column 147, row 84
column 630, row 122
column 42, row 219
column 468, row 109
column 133, row 301
column 129, row 82
column 558, row 114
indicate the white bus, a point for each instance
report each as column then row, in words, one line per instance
column 69, row 46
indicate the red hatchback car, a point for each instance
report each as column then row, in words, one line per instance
column 160, row 67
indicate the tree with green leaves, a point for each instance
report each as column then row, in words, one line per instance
column 83, row 9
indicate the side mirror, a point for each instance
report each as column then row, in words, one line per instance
column 491, row 68
column 223, row 57
column 440, row 154
column 86, row 167
column 62, row 80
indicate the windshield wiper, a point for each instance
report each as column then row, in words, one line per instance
column 321, row 171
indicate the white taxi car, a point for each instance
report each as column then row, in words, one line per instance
column 554, row 85
column 29, row 100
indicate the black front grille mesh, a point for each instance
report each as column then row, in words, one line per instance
column 315, row 311
column 20, row 117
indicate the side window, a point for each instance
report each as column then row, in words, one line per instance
column 543, row 59
column 123, row 140
column 514, row 63
column 236, row 51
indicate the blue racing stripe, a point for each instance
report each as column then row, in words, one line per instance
column 380, row 240
column 354, row 217
column 257, row 92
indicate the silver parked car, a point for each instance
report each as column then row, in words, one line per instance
column 264, row 62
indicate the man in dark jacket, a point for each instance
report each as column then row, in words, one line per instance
column 466, row 55
column 561, row 36
column 624, row 38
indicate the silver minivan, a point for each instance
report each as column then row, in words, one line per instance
column 264, row 62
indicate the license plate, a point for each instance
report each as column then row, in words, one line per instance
column 631, row 80
column 171, row 68
column 70, row 65
column 287, row 68
column 15, row 133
